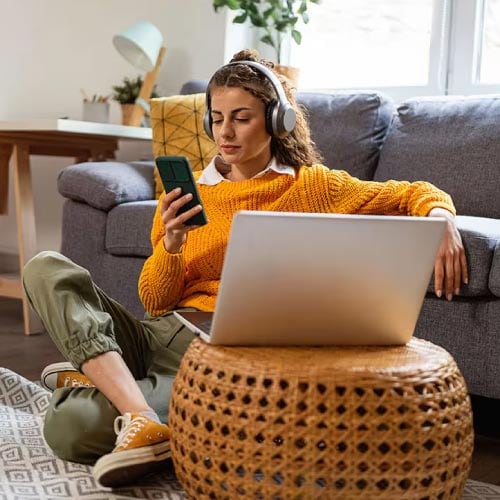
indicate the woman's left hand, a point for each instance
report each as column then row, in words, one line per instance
column 450, row 267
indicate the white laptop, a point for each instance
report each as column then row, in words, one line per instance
column 321, row 279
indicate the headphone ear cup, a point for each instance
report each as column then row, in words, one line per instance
column 280, row 119
column 207, row 122
column 286, row 118
column 270, row 117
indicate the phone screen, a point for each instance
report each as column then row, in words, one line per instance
column 175, row 171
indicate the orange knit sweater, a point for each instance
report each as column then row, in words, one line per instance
column 191, row 278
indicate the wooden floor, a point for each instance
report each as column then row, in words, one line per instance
column 28, row 355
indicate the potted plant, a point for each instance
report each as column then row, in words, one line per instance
column 277, row 19
column 127, row 93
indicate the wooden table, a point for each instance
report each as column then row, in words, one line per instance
column 52, row 137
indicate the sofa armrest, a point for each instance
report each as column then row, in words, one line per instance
column 494, row 282
column 104, row 185
column 481, row 238
column 194, row 87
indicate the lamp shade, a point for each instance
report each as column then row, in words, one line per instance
column 140, row 44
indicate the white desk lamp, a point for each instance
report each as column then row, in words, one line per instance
column 142, row 46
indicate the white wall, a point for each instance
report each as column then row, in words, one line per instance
column 52, row 48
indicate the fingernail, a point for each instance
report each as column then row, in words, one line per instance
column 438, row 293
column 466, row 281
column 457, row 291
column 449, row 296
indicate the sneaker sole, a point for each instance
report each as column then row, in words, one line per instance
column 52, row 369
column 124, row 467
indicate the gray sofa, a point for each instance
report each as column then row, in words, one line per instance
column 453, row 142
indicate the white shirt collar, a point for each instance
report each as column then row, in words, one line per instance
column 213, row 172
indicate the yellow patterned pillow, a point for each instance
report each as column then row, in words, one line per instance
column 177, row 124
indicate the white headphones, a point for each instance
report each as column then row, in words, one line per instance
column 280, row 115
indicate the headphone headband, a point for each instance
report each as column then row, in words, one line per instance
column 273, row 79
column 280, row 115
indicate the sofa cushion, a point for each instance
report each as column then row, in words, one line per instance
column 177, row 123
column 481, row 237
column 349, row 128
column 128, row 229
column 453, row 142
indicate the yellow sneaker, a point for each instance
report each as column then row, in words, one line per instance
column 142, row 447
column 63, row 374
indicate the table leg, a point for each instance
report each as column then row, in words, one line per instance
column 5, row 154
column 26, row 231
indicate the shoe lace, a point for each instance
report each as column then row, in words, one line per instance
column 127, row 427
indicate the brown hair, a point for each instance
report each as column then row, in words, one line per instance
column 296, row 148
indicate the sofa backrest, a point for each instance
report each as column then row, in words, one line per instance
column 349, row 128
column 453, row 142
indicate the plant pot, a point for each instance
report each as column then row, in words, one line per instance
column 288, row 72
column 126, row 113
column 95, row 112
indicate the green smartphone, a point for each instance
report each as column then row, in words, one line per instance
column 175, row 171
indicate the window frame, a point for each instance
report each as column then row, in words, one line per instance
column 465, row 49
column 455, row 49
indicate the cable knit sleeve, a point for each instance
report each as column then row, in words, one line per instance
column 351, row 195
column 161, row 282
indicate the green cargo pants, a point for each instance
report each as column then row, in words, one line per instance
column 84, row 322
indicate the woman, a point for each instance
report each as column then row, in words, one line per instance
column 128, row 365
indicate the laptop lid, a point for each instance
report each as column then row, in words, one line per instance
column 320, row 279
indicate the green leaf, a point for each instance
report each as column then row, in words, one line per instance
column 268, row 13
column 257, row 21
column 233, row 4
column 251, row 7
column 267, row 40
column 302, row 8
column 297, row 37
column 305, row 17
column 240, row 19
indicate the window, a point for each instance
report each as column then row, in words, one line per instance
column 488, row 70
column 402, row 47
column 362, row 43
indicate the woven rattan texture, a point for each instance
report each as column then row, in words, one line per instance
column 349, row 423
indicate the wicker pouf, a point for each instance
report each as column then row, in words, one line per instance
column 299, row 422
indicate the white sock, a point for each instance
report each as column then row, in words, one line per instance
column 151, row 414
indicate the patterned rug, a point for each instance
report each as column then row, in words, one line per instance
column 29, row 470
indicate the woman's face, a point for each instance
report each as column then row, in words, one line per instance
column 238, row 125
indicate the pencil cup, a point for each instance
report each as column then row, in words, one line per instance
column 96, row 112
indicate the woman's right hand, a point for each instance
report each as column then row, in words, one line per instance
column 175, row 229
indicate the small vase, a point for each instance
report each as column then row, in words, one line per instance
column 126, row 113
column 288, row 72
